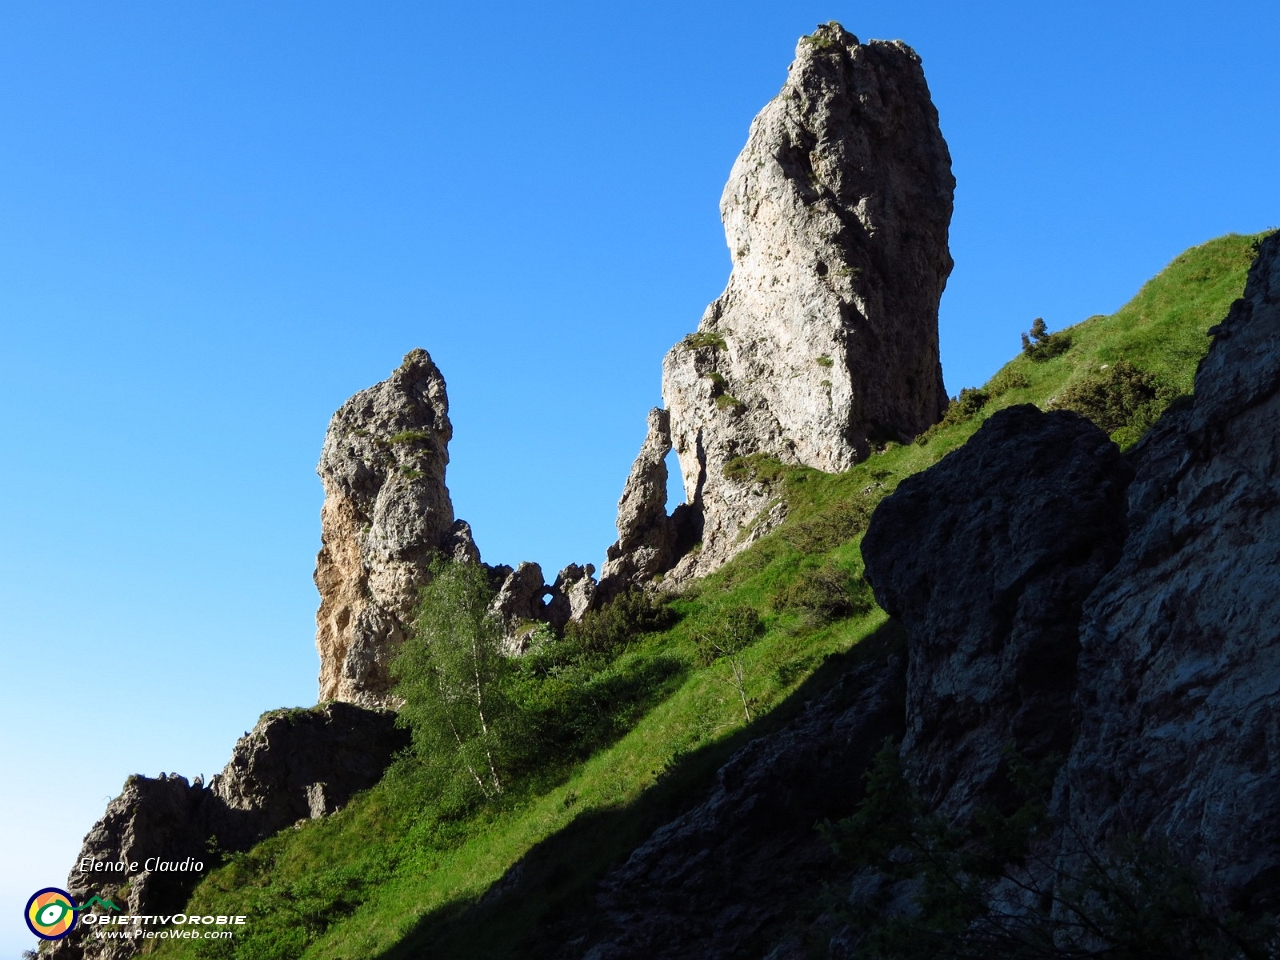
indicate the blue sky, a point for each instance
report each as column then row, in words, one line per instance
column 221, row 220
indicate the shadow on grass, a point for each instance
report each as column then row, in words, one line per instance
column 551, row 888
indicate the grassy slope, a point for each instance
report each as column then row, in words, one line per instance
column 386, row 878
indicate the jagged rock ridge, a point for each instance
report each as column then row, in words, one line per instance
column 825, row 341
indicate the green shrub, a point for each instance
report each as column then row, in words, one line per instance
column 961, row 409
column 824, row 593
column 1041, row 345
column 1006, row 380
column 611, row 627
column 833, row 526
column 966, row 406
column 1117, row 397
column 754, row 466
column 409, row 436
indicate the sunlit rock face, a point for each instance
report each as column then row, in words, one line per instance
column 386, row 516
column 825, row 341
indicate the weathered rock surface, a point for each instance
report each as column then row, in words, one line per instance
column 301, row 764
column 572, row 594
column 825, row 341
column 708, row 882
column 1179, row 690
column 649, row 542
column 386, row 516
column 294, row 765
column 520, row 605
column 986, row 560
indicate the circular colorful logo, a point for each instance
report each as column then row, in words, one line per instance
column 51, row 913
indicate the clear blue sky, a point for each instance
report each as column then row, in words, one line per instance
column 220, row 220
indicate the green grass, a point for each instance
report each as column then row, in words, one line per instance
column 705, row 339
column 399, row 873
column 1162, row 330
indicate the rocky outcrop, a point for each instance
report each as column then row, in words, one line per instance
column 294, row 765
column 300, row 764
column 572, row 594
column 825, row 341
column 520, row 605
column 1144, row 643
column 649, row 541
column 986, row 559
column 1179, row 689
column 386, row 516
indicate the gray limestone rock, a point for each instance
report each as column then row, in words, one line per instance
column 572, row 595
column 298, row 764
column 1179, row 689
column 825, row 341
column 520, row 604
column 986, row 559
column 647, row 537
column 386, row 516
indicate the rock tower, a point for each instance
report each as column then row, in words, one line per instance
column 825, row 341
column 386, row 516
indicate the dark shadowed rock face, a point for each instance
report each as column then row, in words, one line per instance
column 294, row 765
column 825, row 340
column 301, row 764
column 1179, row 692
column 739, row 860
column 986, row 559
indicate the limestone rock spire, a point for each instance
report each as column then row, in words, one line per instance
column 824, row 343
column 386, row 515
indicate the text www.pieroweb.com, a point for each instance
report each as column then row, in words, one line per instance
column 177, row 927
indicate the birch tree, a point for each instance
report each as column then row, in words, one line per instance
column 451, row 675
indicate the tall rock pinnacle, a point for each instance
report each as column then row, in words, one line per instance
column 386, row 515
column 825, row 341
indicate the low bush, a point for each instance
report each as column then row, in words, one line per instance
column 727, row 401
column 1117, row 396
column 754, row 466
column 704, row 338
column 610, row 628
column 831, row 527
column 1006, row 380
column 824, row 593
column 961, row 409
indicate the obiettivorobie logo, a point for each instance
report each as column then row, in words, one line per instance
column 51, row 913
